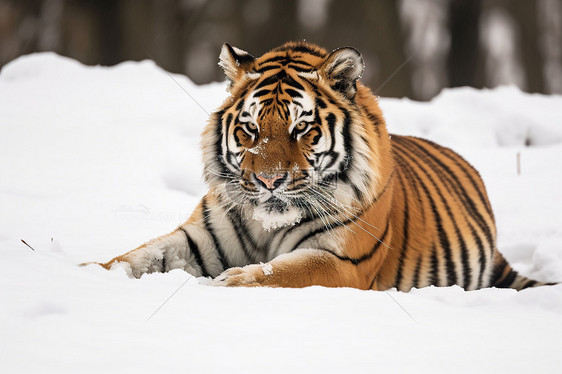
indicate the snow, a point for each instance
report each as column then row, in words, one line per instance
column 271, row 219
column 95, row 161
column 267, row 269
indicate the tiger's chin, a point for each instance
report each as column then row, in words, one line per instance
column 276, row 218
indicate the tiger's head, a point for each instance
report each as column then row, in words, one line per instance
column 295, row 137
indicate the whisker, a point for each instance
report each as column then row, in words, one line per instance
column 355, row 223
column 342, row 206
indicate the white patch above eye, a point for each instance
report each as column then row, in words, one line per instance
column 313, row 75
column 249, row 114
column 253, row 109
column 301, row 110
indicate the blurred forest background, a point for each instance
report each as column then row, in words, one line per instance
column 412, row 48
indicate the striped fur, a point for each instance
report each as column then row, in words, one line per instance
column 303, row 176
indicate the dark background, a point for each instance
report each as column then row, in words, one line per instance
column 412, row 48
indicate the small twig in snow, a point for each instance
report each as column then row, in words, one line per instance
column 23, row 241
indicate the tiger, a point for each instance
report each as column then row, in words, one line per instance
column 306, row 187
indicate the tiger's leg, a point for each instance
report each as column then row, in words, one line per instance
column 189, row 247
column 300, row 268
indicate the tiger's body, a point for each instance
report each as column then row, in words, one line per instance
column 306, row 187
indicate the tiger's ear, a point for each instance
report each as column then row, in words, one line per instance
column 342, row 68
column 234, row 62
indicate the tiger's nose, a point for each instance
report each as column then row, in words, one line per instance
column 271, row 181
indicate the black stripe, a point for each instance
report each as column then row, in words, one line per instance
column 373, row 281
column 299, row 69
column 265, row 104
column 282, row 74
column 460, row 192
column 301, row 224
column 293, row 83
column 316, row 138
column 218, row 144
column 321, row 230
column 425, row 155
column 347, row 132
column 235, row 133
column 268, row 67
column 467, row 202
column 508, row 280
column 433, row 278
column 450, row 154
column 276, row 59
column 481, row 255
column 331, row 119
column 348, row 146
column 462, row 244
column 404, row 248
column 341, row 223
column 298, row 62
column 320, row 103
column 375, row 122
column 529, row 283
column 228, row 123
column 408, row 174
column 195, row 250
column 417, row 271
column 261, row 93
column 240, row 104
column 305, row 49
column 243, row 235
column 366, row 256
column 443, row 237
column 293, row 93
column 240, row 58
column 267, row 81
column 209, row 227
column 465, row 260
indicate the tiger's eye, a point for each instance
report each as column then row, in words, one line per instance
column 301, row 126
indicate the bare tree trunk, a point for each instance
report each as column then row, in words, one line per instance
column 91, row 31
column 385, row 36
column 273, row 23
column 19, row 28
column 378, row 35
column 525, row 15
column 465, row 63
column 136, row 29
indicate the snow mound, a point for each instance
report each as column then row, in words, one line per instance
column 504, row 116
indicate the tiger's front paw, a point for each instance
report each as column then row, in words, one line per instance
column 112, row 265
column 248, row 276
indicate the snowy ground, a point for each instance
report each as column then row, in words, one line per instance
column 94, row 161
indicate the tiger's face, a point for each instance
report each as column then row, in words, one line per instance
column 282, row 140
